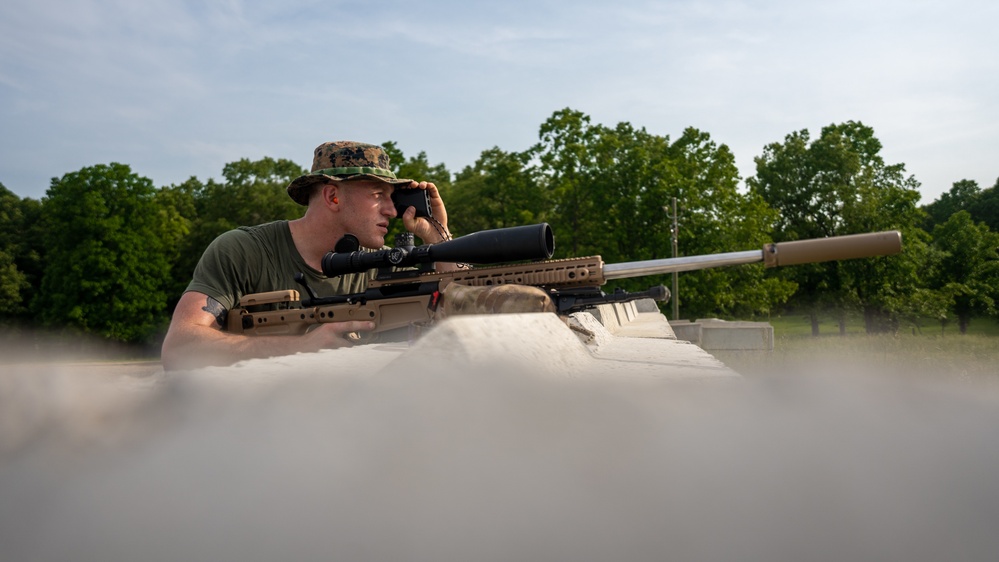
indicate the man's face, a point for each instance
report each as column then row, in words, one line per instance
column 366, row 208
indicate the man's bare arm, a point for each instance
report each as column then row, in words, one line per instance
column 196, row 338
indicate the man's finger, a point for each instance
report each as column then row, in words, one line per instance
column 355, row 326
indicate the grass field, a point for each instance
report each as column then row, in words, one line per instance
column 927, row 352
column 792, row 325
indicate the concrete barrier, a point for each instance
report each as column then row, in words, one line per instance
column 636, row 319
column 713, row 334
column 687, row 331
column 611, row 341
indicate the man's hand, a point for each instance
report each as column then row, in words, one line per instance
column 196, row 338
column 426, row 230
column 335, row 334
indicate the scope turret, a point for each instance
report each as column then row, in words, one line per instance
column 531, row 242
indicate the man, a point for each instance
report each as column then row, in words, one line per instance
column 348, row 191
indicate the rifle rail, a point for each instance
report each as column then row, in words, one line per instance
column 570, row 272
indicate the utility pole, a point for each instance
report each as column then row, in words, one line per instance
column 674, row 234
column 676, row 253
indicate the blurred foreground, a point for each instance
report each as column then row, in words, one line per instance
column 835, row 459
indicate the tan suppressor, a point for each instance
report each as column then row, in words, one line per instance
column 772, row 255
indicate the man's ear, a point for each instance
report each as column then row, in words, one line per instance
column 330, row 194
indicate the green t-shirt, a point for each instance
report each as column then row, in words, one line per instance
column 258, row 259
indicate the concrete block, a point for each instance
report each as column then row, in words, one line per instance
column 626, row 320
column 725, row 335
column 687, row 331
column 646, row 305
column 720, row 335
column 652, row 354
column 628, row 311
column 607, row 315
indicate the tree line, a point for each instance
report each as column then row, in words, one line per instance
column 106, row 252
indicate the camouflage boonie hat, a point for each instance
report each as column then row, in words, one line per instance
column 344, row 161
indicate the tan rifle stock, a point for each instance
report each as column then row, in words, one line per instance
column 392, row 311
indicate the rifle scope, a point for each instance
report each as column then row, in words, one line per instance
column 531, row 242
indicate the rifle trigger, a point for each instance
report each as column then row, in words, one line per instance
column 435, row 298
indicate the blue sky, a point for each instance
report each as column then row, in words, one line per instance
column 179, row 88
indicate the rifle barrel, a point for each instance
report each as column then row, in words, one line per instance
column 687, row 263
column 785, row 253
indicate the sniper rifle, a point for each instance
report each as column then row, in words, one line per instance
column 407, row 291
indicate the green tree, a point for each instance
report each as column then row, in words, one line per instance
column 839, row 184
column 13, row 281
column 881, row 287
column 106, row 265
column 717, row 218
column 178, row 207
column 963, row 196
column 967, row 275
column 12, row 285
column 253, row 192
column 500, row 190
column 566, row 160
column 418, row 168
column 610, row 188
column 630, row 183
column 986, row 208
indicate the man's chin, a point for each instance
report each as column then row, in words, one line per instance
column 374, row 243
